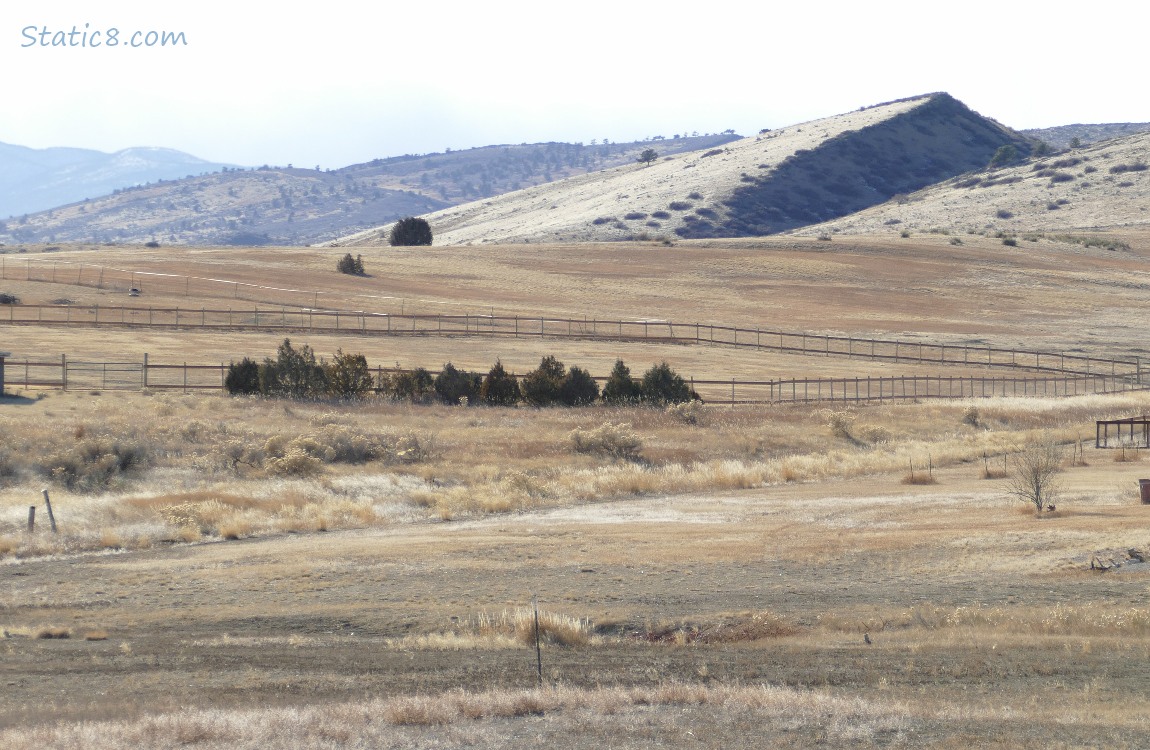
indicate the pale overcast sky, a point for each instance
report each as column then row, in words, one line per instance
column 338, row 82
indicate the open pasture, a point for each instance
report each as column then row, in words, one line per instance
column 234, row 572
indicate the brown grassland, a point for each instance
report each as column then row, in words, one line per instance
column 242, row 572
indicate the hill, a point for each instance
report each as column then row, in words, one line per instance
column 1097, row 187
column 770, row 183
column 37, row 179
column 1062, row 136
column 294, row 206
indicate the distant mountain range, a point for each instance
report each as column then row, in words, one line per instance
column 34, row 180
column 291, row 206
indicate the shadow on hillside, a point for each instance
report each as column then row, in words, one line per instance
column 858, row 169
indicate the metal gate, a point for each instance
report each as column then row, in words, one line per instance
column 114, row 376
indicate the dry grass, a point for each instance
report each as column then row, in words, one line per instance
column 223, row 468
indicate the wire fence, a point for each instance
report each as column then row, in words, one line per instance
column 68, row 374
column 359, row 322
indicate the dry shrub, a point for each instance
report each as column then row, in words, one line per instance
column 418, row 710
column 99, row 634
column 554, row 628
column 296, row 462
column 95, row 464
column 749, row 626
column 235, row 528
column 919, row 477
column 109, row 539
column 876, row 435
column 840, row 423
column 52, row 632
column 1126, row 455
column 971, row 416
column 687, row 412
column 616, row 440
column 8, row 545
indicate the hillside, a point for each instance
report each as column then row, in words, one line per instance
column 38, row 179
column 770, row 183
column 1097, row 187
column 1062, row 136
column 294, row 206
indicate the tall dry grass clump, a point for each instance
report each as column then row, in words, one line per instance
column 615, row 440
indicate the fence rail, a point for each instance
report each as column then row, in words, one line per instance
column 68, row 374
column 360, row 322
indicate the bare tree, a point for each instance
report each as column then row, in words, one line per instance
column 1034, row 476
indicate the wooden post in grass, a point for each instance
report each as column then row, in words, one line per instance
column 538, row 651
column 31, row 518
column 51, row 516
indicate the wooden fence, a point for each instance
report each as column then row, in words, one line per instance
column 652, row 331
column 69, row 374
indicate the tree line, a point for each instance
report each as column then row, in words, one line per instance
column 297, row 373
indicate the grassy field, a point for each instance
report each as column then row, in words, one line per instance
column 234, row 572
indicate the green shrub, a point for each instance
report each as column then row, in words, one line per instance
column 243, row 378
column 416, row 386
column 579, row 388
column 499, row 387
column 453, row 385
column 410, row 231
column 543, row 385
column 1005, row 155
column 620, row 387
column 293, row 374
column 350, row 265
column 661, row 386
column 347, row 376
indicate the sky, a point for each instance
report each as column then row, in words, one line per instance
column 336, row 82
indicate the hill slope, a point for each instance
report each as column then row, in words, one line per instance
column 762, row 185
column 1098, row 187
column 37, row 179
column 1061, row 136
column 291, row 206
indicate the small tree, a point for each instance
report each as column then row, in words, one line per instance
column 348, row 376
column 1007, row 154
column 542, row 386
column 579, row 388
column 620, row 387
column 1034, row 475
column 350, row 265
column 243, row 378
column 416, row 386
column 499, row 388
column 452, row 385
column 294, row 373
column 661, row 386
column 410, row 231
column 649, row 155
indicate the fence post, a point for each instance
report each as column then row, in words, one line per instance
column 145, row 369
column 51, row 516
column 31, row 518
column 185, row 376
column 64, row 370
